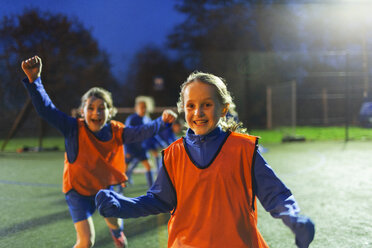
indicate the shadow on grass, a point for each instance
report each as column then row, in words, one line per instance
column 32, row 184
column 59, row 202
column 57, row 196
column 140, row 226
column 34, row 223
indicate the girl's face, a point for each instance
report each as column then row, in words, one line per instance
column 202, row 108
column 95, row 113
column 140, row 109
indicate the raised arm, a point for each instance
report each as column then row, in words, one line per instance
column 32, row 67
column 277, row 199
column 139, row 133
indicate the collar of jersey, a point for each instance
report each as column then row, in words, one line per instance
column 197, row 140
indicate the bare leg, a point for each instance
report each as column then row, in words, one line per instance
column 146, row 164
column 85, row 234
column 113, row 223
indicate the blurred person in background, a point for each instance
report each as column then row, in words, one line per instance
column 137, row 152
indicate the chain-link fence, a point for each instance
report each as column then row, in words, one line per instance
column 332, row 100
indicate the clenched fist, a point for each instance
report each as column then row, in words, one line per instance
column 168, row 116
column 32, row 68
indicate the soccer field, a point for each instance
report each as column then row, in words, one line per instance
column 331, row 181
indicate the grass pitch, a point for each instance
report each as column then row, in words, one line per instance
column 331, row 180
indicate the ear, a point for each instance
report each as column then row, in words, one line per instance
column 81, row 112
column 225, row 108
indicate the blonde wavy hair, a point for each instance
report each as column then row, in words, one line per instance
column 101, row 94
column 227, row 123
column 149, row 102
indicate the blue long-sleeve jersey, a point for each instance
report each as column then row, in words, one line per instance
column 270, row 190
column 161, row 140
column 137, row 149
column 67, row 125
column 274, row 196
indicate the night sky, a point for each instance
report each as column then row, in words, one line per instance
column 121, row 27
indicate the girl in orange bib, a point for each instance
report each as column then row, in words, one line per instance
column 210, row 179
column 94, row 157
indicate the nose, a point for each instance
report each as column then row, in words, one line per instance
column 97, row 111
column 199, row 111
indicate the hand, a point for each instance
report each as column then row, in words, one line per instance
column 305, row 231
column 168, row 116
column 32, row 68
column 107, row 204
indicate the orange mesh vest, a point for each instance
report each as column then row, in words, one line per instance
column 98, row 165
column 214, row 204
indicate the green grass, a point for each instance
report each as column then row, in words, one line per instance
column 33, row 211
column 48, row 142
column 267, row 136
column 331, row 181
column 313, row 134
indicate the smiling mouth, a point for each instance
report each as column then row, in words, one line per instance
column 200, row 122
column 96, row 121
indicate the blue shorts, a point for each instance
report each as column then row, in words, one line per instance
column 143, row 155
column 81, row 207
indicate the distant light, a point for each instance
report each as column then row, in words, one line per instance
column 158, row 83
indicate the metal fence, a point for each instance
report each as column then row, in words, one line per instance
column 315, row 102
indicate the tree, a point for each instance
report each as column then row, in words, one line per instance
column 72, row 60
column 152, row 63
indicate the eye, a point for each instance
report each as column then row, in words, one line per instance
column 190, row 106
column 208, row 104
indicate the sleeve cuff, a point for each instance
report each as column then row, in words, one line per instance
column 36, row 82
column 162, row 124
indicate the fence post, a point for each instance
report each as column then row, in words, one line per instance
column 365, row 67
column 347, row 100
column 269, row 108
column 18, row 122
column 294, row 109
column 325, row 105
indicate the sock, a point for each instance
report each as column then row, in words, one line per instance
column 130, row 171
column 117, row 232
column 158, row 163
column 120, row 189
column 149, row 178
